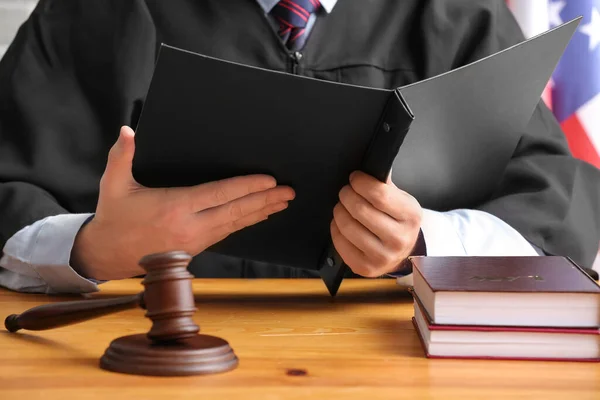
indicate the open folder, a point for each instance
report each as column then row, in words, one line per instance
column 449, row 136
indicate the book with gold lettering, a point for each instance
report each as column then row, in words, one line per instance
column 506, row 291
column 506, row 307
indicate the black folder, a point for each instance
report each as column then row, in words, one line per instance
column 450, row 136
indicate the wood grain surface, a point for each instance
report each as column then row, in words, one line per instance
column 294, row 342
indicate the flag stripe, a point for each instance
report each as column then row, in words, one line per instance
column 579, row 142
column 589, row 116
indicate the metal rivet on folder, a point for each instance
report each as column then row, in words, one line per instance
column 386, row 127
column 330, row 261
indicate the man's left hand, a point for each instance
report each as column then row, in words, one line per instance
column 375, row 225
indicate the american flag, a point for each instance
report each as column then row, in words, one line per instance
column 576, row 81
column 574, row 92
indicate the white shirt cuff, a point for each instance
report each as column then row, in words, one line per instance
column 465, row 232
column 43, row 251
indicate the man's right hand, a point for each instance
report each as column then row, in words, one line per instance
column 132, row 220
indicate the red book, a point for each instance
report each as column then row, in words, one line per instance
column 509, row 343
column 506, row 291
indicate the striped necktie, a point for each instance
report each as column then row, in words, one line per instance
column 293, row 16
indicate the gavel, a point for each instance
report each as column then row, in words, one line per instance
column 172, row 346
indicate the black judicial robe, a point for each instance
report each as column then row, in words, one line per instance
column 79, row 69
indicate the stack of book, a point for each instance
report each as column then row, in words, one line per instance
column 542, row 308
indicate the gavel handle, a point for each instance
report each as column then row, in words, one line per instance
column 55, row 315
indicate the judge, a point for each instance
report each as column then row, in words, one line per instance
column 73, row 82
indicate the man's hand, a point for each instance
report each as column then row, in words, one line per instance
column 375, row 225
column 132, row 221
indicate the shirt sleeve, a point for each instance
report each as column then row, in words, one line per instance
column 471, row 233
column 37, row 258
column 466, row 232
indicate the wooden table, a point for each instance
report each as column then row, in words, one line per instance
column 360, row 345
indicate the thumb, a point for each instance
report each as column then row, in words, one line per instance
column 117, row 178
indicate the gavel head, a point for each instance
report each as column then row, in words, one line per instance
column 168, row 296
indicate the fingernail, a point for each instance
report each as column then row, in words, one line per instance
column 352, row 175
column 271, row 183
column 127, row 131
